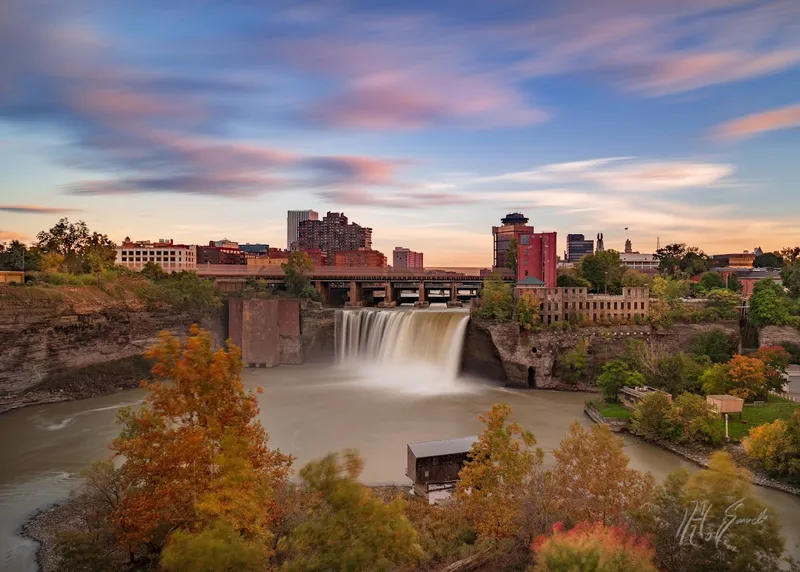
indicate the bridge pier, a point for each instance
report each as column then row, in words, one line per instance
column 324, row 290
column 454, row 302
column 422, row 301
column 356, row 295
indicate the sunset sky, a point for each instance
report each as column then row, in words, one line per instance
column 427, row 121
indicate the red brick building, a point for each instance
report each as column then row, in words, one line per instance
column 363, row 257
column 514, row 226
column 404, row 258
column 536, row 257
column 332, row 234
column 318, row 257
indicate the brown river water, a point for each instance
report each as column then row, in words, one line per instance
column 307, row 410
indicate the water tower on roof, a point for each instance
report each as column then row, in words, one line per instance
column 514, row 219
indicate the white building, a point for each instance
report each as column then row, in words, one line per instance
column 293, row 220
column 640, row 262
column 171, row 257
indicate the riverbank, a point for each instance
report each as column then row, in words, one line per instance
column 43, row 527
column 700, row 455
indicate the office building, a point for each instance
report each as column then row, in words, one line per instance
column 331, row 234
column 363, row 257
column 537, row 257
column 164, row 252
column 293, row 220
column 513, row 226
column 647, row 263
column 257, row 248
column 578, row 247
column 404, row 258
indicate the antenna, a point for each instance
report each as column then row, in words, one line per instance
column 658, row 243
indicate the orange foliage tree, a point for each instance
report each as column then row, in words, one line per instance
column 748, row 377
column 776, row 361
column 593, row 548
column 195, row 451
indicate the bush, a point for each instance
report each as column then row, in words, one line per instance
column 715, row 380
column 496, row 301
column 575, row 363
column 716, row 344
column 793, row 350
column 527, row 311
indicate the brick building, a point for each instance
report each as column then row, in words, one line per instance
column 318, row 257
column 565, row 304
column 164, row 252
column 227, row 254
column 331, row 234
column 404, row 258
column 514, row 225
column 293, row 220
column 363, row 257
column 537, row 257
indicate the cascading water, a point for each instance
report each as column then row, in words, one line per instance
column 416, row 351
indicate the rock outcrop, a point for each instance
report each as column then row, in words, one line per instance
column 530, row 359
column 777, row 335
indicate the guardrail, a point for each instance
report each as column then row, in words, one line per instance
column 327, row 272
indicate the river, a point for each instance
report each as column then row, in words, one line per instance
column 308, row 411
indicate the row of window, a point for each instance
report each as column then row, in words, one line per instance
column 615, row 316
column 155, row 252
column 157, row 259
column 596, row 306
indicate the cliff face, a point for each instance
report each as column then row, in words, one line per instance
column 318, row 332
column 530, row 359
column 776, row 335
column 75, row 328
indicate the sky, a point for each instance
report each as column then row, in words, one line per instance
column 427, row 121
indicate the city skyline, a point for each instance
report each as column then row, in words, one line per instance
column 677, row 120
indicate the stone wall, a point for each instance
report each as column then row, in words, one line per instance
column 530, row 359
column 775, row 335
column 269, row 330
column 317, row 332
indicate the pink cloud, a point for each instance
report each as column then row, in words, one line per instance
column 32, row 209
column 772, row 120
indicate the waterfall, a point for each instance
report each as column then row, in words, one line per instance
column 400, row 338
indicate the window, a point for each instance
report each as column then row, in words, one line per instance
column 525, row 239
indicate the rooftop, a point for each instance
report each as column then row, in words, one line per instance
column 725, row 397
column 453, row 446
column 530, row 281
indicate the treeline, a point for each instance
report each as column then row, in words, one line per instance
column 200, row 490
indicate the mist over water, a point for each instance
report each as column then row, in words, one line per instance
column 414, row 352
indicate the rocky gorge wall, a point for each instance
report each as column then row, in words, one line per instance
column 776, row 335
column 72, row 329
column 504, row 352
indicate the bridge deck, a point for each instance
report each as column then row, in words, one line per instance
column 337, row 274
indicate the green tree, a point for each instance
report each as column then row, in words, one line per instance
column 678, row 373
column 571, row 280
column 491, row 483
column 790, row 277
column 734, row 284
column 351, row 529
column 716, row 344
column 776, row 361
column 16, row 256
column 768, row 260
column 768, row 304
column 593, row 548
column 744, row 546
column 217, row 548
column 496, row 300
column 153, row 271
column 681, row 260
column 575, row 363
column 512, row 256
column 83, row 251
column 715, row 380
column 603, row 270
column 669, row 289
column 711, row 280
column 528, row 311
column 617, row 374
column 297, row 270
column 790, row 254
column 697, row 419
column 652, row 417
column 723, row 304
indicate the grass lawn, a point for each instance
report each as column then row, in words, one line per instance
column 613, row 410
column 775, row 408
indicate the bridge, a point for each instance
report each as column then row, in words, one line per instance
column 361, row 286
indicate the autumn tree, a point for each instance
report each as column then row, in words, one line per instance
column 593, row 547
column 527, row 311
column 491, row 485
column 634, row 278
column 591, row 479
column 776, row 447
column 722, row 492
column 350, row 529
column 195, row 453
column 748, row 377
column 776, row 361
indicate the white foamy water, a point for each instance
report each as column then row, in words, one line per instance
column 405, row 351
column 67, row 421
